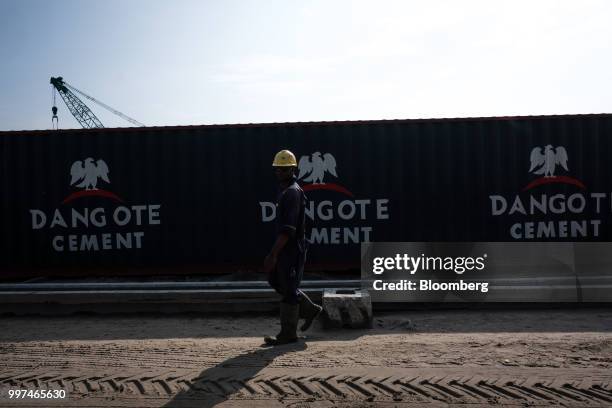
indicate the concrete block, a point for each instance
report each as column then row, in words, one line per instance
column 347, row 308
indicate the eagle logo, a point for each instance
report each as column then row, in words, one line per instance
column 87, row 174
column 548, row 160
column 317, row 167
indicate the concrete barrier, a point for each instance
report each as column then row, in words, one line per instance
column 347, row 308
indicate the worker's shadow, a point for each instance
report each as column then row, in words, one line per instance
column 216, row 384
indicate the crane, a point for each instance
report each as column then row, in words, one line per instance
column 79, row 110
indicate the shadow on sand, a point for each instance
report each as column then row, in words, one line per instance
column 221, row 381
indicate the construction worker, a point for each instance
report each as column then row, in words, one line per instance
column 285, row 262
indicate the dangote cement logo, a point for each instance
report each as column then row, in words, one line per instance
column 87, row 175
column 545, row 162
column 315, row 168
column 105, row 227
column 335, row 219
column 552, row 215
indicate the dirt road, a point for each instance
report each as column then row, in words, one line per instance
column 464, row 358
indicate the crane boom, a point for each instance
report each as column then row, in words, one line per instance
column 79, row 110
column 115, row 111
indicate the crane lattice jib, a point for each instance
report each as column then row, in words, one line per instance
column 79, row 110
column 105, row 106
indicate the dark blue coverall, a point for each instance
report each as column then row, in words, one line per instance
column 285, row 278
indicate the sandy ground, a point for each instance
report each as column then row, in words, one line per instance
column 417, row 358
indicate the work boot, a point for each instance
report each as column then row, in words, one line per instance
column 289, row 321
column 308, row 310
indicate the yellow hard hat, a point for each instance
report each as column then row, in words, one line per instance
column 284, row 158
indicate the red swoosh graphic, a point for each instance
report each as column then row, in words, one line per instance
column 327, row 186
column 556, row 179
column 92, row 193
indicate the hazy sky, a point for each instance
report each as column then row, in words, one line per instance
column 205, row 62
